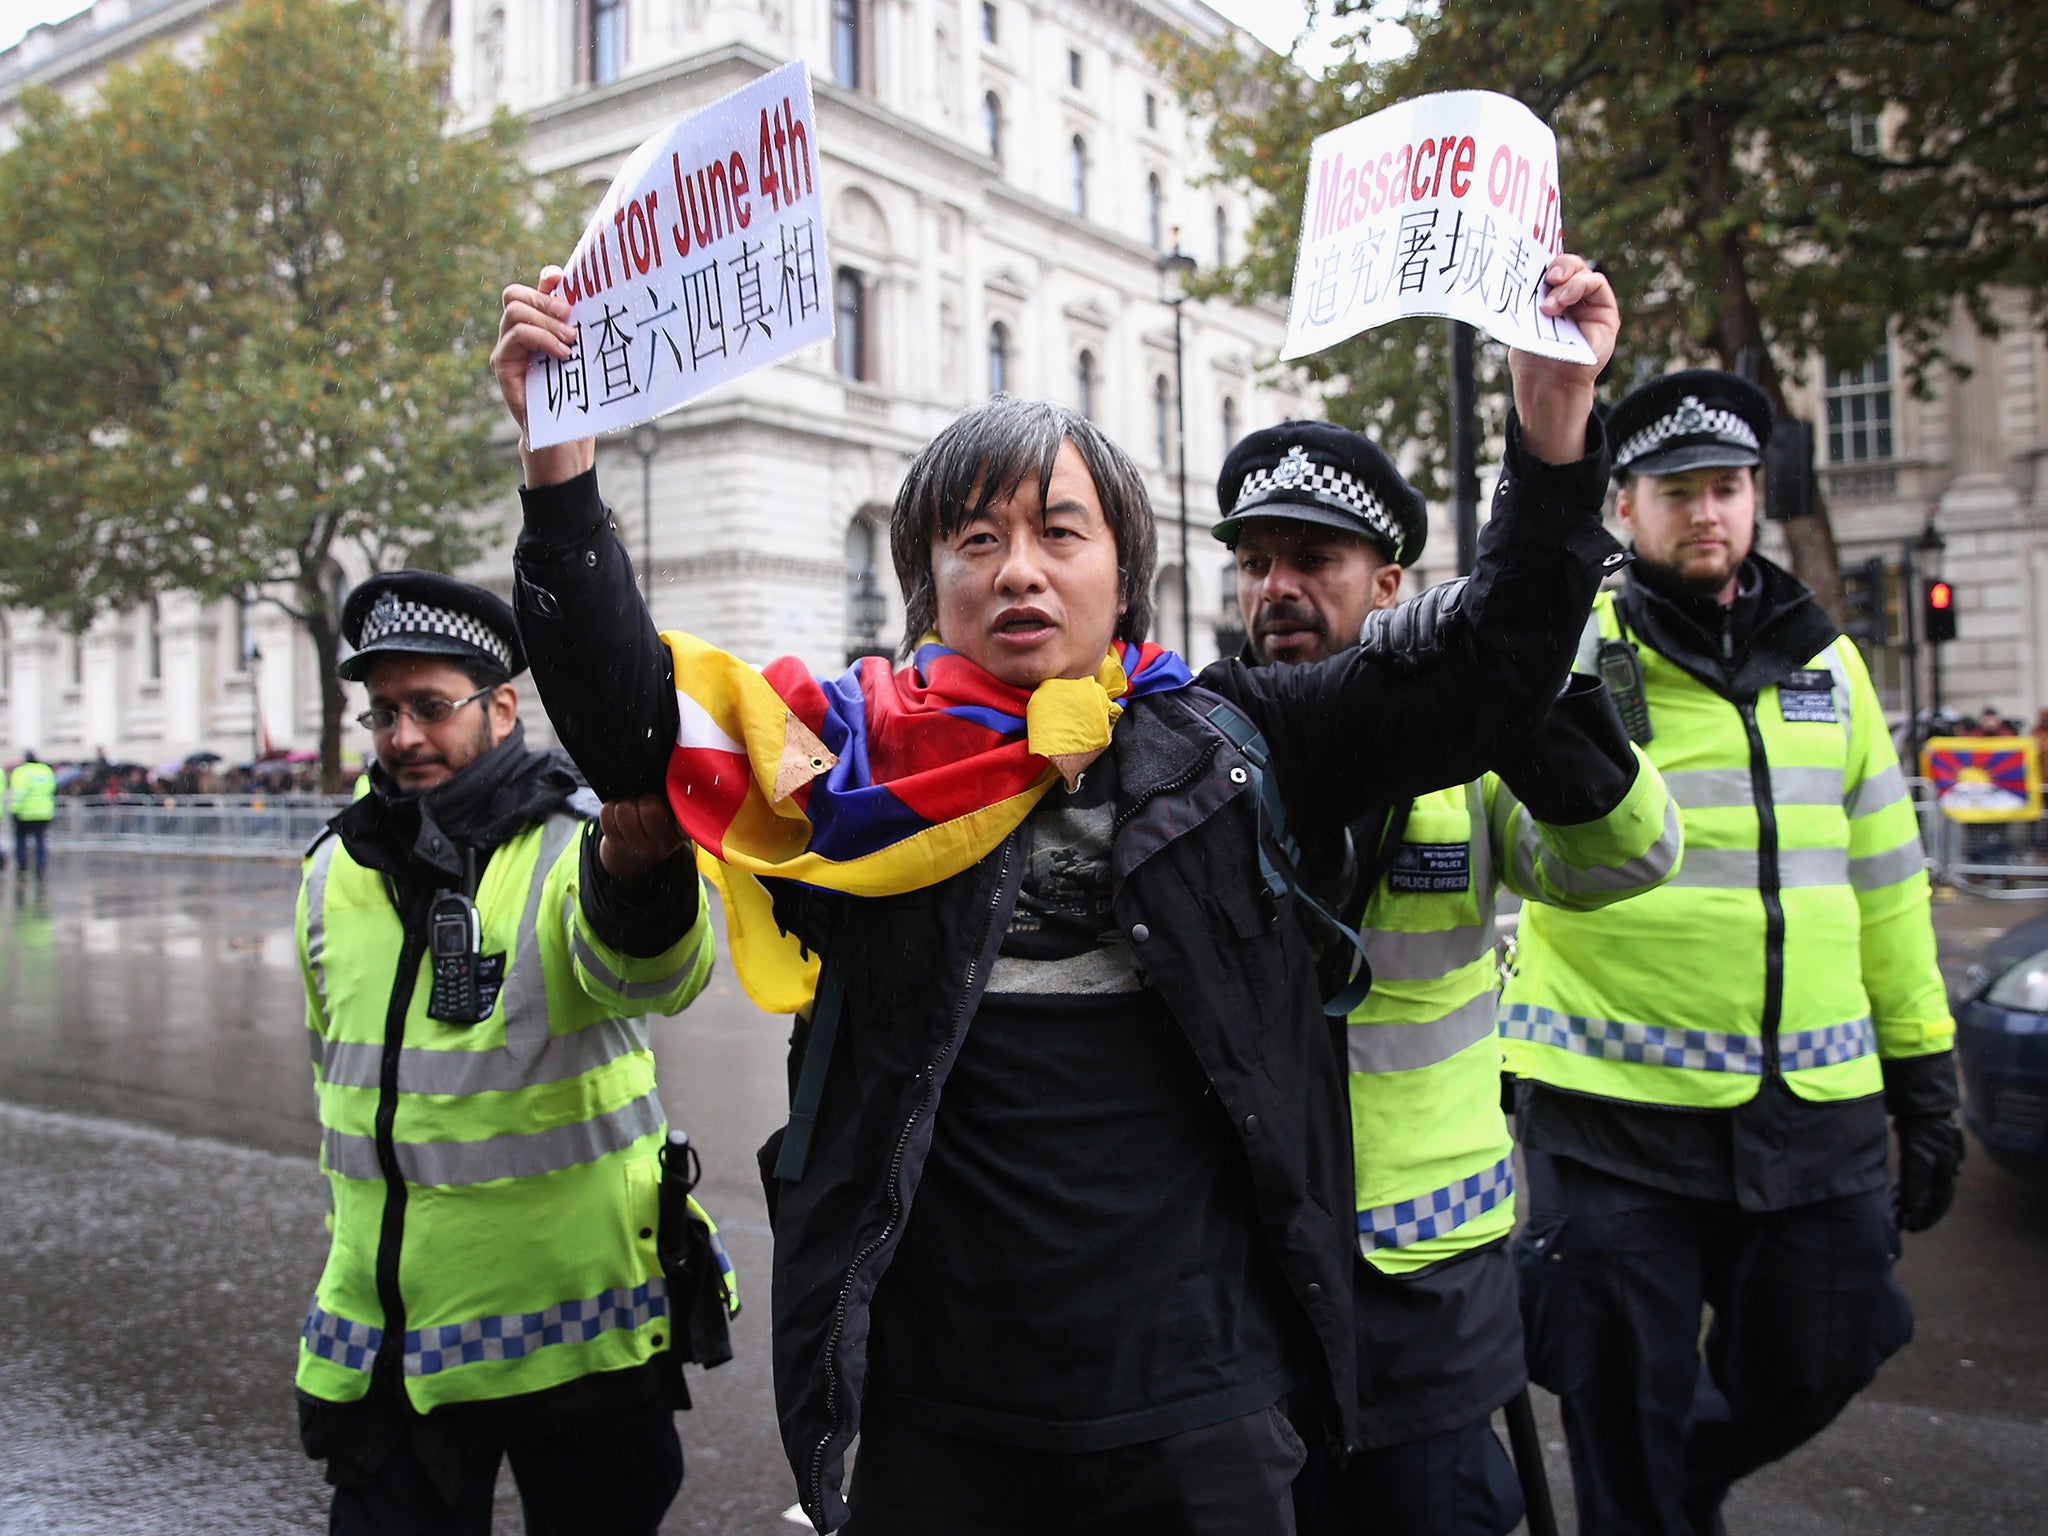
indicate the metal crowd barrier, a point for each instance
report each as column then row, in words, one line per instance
column 2007, row 860
column 236, row 826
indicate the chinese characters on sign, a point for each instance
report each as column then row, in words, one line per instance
column 1445, row 205
column 705, row 261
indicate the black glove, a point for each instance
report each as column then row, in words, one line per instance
column 1920, row 1092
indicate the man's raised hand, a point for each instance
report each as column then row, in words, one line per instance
column 535, row 322
column 1553, row 397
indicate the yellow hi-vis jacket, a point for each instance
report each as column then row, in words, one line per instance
column 1430, row 1147
column 525, row 1147
column 1795, row 938
column 32, row 792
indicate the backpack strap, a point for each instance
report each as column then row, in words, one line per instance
column 826, row 1008
column 1271, row 811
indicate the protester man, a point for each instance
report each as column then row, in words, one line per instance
column 1053, row 1213
column 1708, row 1068
column 32, row 801
column 475, row 981
column 1321, row 524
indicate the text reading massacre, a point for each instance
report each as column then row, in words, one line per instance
column 702, row 263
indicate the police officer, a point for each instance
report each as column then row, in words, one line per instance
column 32, row 800
column 1321, row 524
column 477, row 964
column 1708, row 1070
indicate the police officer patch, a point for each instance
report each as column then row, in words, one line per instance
column 1808, row 697
column 1430, row 868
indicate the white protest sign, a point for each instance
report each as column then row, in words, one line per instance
column 705, row 261
column 1445, row 205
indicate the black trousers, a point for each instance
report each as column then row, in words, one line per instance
column 617, row 1480
column 27, row 835
column 1457, row 1483
column 1228, row 1479
column 1615, row 1276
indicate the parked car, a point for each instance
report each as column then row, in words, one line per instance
column 2002, row 1044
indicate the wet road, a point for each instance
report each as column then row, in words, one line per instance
column 160, row 1231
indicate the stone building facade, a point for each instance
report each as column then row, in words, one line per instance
column 1000, row 179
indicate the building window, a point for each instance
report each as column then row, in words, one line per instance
column 1162, row 401
column 992, row 124
column 153, row 640
column 849, row 42
column 1151, row 110
column 850, row 345
column 998, row 358
column 1859, row 404
column 75, row 664
column 1077, row 169
column 1222, row 237
column 988, row 21
column 604, row 39
column 867, row 607
column 1154, row 210
column 435, row 35
column 1084, row 384
column 1074, row 68
column 1229, row 422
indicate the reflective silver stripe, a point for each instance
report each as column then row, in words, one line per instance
column 1440, row 1211
column 501, row 1069
column 1735, row 869
column 1889, row 867
column 523, row 1003
column 593, row 962
column 1638, row 873
column 1709, row 789
column 1884, row 788
column 1409, row 1047
column 1701, row 1050
column 1399, row 956
column 316, row 925
column 515, row 1156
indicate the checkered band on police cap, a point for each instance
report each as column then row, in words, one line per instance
column 394, row 618
column 1690, row 418
column 1302, row 475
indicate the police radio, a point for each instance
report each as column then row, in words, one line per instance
column 455, row 942
column 1621, row 669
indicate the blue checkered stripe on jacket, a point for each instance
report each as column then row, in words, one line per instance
column 1702, row 1050
column 511, row 1337
column 1440, row 1211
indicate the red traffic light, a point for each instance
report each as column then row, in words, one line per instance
column 1940, row 595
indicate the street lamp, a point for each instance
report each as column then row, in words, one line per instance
column 1176, row 271
column 647, row 443
column 867, row 609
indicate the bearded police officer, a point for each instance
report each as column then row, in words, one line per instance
column 475, row 979
column 1708, row 1070
column 1321, row 524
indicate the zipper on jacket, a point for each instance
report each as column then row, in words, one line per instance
column 1768, row 887
column 389, row 1366
column 816, row 1483
column 1179, row 781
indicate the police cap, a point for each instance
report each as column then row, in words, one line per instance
column 1312, row 472
column 1699, row 419
column 423, row 613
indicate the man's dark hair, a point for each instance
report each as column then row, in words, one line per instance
column 480, row 672
column 982, row 458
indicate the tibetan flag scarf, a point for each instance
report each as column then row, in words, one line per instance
column 873, row 783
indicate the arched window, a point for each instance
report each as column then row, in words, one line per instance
column 1222, row 237
column 992, row 124
column 1077, row 170
column 1162, row 404
column 1229, row 422
column 436, row 30
column 1084, row 384
column 1154, row 198
column 867, row 607
column 998, row 358
column 850, row 345
column 606, row 39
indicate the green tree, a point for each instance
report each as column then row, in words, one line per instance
column 252, row 302
column 1762, row 182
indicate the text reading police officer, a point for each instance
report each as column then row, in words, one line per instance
column 1708, row 1069
column 1321, row 523
column 474, row 986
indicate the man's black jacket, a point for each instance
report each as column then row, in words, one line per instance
column 1232, row 967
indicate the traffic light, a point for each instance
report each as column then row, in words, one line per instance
column 1863, row 615
column 1941, row 612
